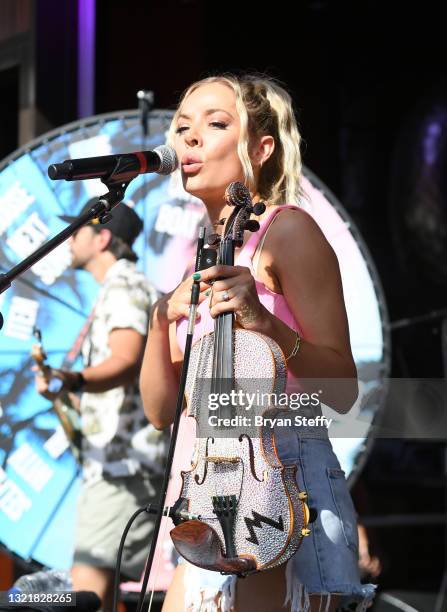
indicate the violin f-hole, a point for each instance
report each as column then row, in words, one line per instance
column 252, row 457
column 205, row 467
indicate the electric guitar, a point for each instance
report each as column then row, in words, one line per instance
column 63, row 404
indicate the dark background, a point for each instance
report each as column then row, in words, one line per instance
column 359, row 73
column 356, row 72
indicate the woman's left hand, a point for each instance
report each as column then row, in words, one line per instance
column 234, row 290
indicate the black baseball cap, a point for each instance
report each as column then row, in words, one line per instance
column 125, row 223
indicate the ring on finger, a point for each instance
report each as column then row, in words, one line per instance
column 225, row 296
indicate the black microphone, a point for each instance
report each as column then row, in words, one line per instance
column 122, row 166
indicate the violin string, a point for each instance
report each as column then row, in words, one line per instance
column 213, row 364
column 218, row 353
column 217, row 340
column 215, row 353
column 218, row 348
column 221, row 351
column 222, row 339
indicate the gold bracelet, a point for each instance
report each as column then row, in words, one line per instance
column 296, row 347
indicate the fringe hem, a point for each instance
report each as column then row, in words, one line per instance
column 298, row 596
column 211, row 599
column 222, row 598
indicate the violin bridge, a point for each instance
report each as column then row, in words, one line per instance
column 222, row 459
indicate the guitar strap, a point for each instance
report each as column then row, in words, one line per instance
column 75, row 350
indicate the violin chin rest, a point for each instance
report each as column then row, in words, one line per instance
column 200, row 544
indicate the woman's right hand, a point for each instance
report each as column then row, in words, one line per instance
column 175, row 305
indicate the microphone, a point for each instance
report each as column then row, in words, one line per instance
column 122, row 166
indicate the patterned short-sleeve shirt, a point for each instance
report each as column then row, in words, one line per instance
column 118, row 440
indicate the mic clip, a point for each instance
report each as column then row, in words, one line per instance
column 108, row 201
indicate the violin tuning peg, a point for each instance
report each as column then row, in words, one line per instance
column 305, row 532
column 259, row 208
column 213, row 239
column 251, row 225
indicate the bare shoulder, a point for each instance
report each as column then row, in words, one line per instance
column 295, row 234
column 295, row 242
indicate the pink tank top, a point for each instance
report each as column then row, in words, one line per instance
column 274, row 302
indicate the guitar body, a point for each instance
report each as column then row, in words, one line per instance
column 65, row 410
column 69, row 418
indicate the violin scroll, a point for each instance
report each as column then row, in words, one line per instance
column 237, row 194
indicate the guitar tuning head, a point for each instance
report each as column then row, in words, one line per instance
column 259, row 208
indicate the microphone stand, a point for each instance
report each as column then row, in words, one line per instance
column 145, row 105
column 100, row 210
column 195, row 291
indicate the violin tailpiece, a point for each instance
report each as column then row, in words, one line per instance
column 224, row 507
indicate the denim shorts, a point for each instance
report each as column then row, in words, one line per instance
column 327, row 561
